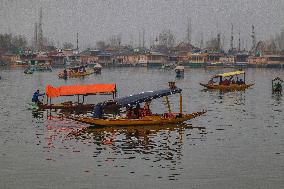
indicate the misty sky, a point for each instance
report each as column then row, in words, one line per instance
column 99, row 19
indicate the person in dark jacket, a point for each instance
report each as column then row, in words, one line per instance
column 98, row 111
column 36, row 95
column 65, row 74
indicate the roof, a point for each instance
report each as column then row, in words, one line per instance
column 71, row 90
column 77, row 67
column 230, row 74
column 154, row 53
column 104, row 54
column 145, row 96
column 41, row 58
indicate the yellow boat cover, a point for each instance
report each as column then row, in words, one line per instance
column 228, row 74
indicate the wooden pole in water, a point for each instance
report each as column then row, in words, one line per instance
column 168, row 103
column 180, row 103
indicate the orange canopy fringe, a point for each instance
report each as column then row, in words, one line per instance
column 70, row 90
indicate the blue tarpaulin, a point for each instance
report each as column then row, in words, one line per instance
column 145, row 96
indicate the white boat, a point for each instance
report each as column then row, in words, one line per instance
column 179, row 71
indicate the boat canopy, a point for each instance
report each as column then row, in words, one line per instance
column 278, row 79
column 228, row 74
column 76, row 67
column 179, row 68
column 71, row 90
column 145, row 96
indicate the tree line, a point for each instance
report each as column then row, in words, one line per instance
column 12, row 43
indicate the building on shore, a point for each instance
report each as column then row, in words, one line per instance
column 214, row 59
column 10, row 58
column 156, row 59
column 105, row 58
column 228, row 60
column 195, row 60
column 266, row 61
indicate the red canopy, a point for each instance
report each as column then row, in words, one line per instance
column 70, row 90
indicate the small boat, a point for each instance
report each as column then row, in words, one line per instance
column 28, row 71
column 277, row 85
column 96, row 67
column 76, row 90
column 179, row 71
column 228, row 81
column 137, row 116
column 77, row 71
column 168, row 66
column 38, row 68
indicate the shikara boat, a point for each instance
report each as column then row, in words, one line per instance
column 76, row 90
column 228, row 81
column 77, row 71
column 277, row 85
column 179, row 71
column 38, row 68
column 144, row 116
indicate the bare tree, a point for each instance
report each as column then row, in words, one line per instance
column 68, row 45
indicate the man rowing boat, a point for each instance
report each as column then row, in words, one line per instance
column 36, row 95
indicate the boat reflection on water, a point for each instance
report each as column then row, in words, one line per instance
column 161, row 147
column 277, row 97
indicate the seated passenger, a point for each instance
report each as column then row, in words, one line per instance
column 241, row 82
column 129, row 112
column 225, row 82
column 210, row 82
column 136, row 111
column 147, row 108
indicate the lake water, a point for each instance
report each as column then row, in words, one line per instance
column 238, row 143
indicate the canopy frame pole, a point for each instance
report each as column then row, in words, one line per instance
column 244, row 77
column 115, row 92
column 180, row 103
column 83, row 99
column 46, row 99
column 78, row 99
column 168, row 103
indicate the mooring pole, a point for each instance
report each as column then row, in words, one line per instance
column 180, row 103
column 168, row 103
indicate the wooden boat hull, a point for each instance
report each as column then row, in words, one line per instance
column 86, row 107
column 227, row 87
column 147, row 120
column 70, row 75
